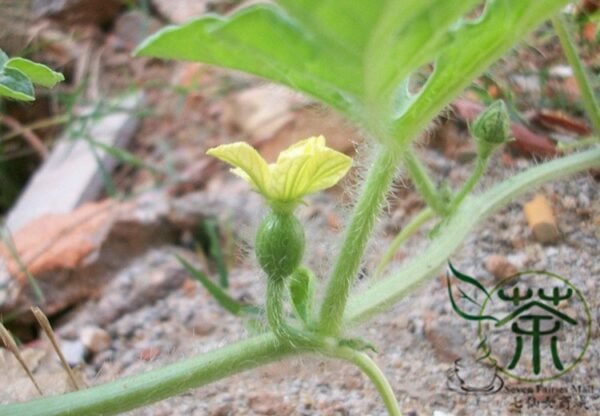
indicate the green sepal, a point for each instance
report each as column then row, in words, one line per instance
column 357, row 344
column 302, row 290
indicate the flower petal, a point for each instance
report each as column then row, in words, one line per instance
column 328, row 167
column 289, row 178
column 303, row 147
column 249, row 164
column 307, row 166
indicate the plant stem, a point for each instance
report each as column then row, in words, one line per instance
column 356, row 237
column 413, row 226
column 386, row 292
column 143, row 389
column 40, row 124
column 579, row 144
column 30, row 137
column 587, row 92
column 423, row 183
column 276, row 291
column 468, row 186
column 368, row 366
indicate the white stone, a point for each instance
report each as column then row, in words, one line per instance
column 74, row 352
column 70, row 175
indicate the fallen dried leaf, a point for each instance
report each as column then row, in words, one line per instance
column 553, row 119
column 72, row 255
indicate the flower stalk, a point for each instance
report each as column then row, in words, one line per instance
column 368, row 207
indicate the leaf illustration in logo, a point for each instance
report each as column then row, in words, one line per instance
column 469, row 281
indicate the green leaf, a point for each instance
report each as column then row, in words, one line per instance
column 262, row 40
column 227, row 302
column 38, row 74
column 410, row 34
column 475, row 45
column 15, row 85
column 359, row 57
column 210, row 231
column 347, row 23
column 17, row 76
column 123, row 156
column 302, row 288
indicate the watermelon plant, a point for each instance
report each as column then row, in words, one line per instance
column 360, row 58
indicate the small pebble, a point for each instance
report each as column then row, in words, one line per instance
column 149, row 354
column 499, row 266
column 95, row 339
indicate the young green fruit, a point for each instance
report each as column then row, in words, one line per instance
column 280, row 244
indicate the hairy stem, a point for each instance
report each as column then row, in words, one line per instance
column 590, row 102
column 140, row 390
column 578, row 145
column 386, row 292
column 468, row 186
column 413, row 226
column 423, row 184
column 296, row 337
column 356, row 237
column 368, row 366
column 275, row 316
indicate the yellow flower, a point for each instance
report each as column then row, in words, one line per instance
column 303, row 168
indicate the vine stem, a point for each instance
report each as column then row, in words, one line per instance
column 275, row 292
column 387, row 291
column 413, row 226
column 423, row 183
column 468, row 186
column 371, row 370
column 139, row 390
column 587, row 92
column 356, row 237
column 285, row 333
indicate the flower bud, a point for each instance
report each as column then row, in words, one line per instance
column 491, row 128
column 280, row 244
